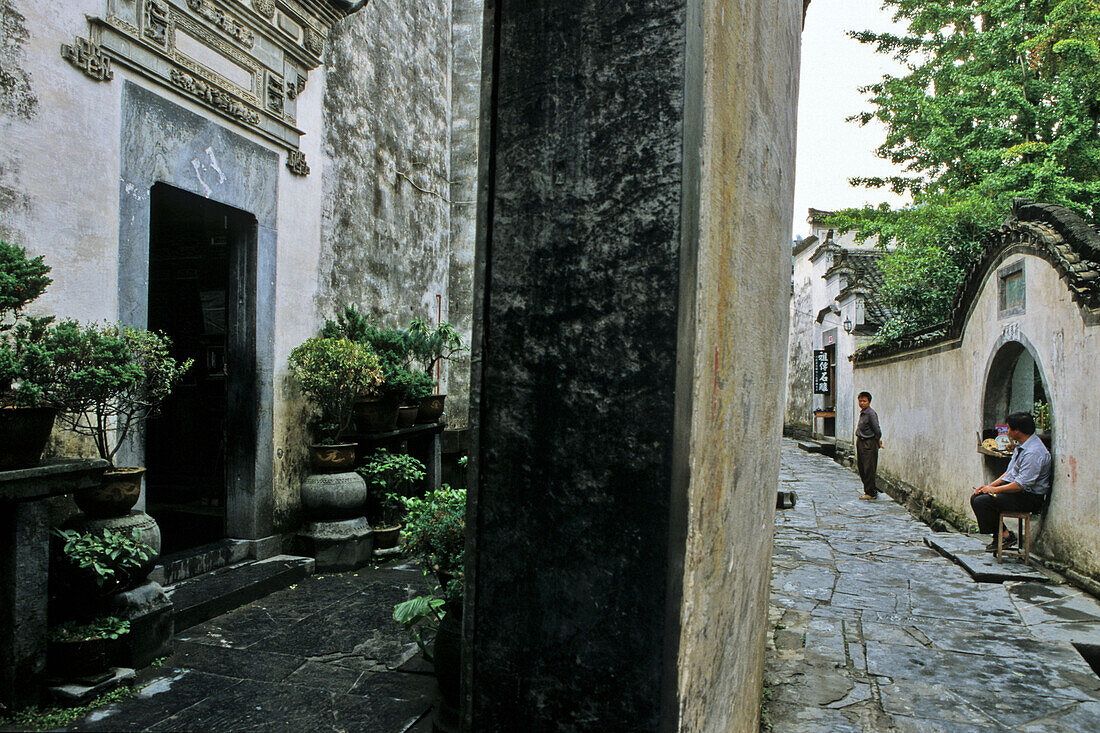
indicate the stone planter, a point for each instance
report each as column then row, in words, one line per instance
column 375, row 416
column 332, row 458
column 24, row 432
column 431, row 408
column 115, row 496
column 387, row 538
column 81, row 660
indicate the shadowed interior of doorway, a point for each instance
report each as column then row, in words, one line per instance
column 195, row 274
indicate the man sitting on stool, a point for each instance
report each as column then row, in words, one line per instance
column 1022, row 488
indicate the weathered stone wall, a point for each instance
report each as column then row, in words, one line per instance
column 936, row 401
column 386, row 225
column 800, row 348
column 751, row 61
column 466, row 21
column 629, row 372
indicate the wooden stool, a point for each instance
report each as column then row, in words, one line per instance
column 1023, row 539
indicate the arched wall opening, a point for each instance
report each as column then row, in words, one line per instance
column 1014, row 382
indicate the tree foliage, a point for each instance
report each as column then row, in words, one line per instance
column 1000, row 99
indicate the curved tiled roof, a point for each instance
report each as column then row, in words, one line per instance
column 1065, row 240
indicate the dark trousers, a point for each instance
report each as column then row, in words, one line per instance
column 988, row 507
column 867, row 460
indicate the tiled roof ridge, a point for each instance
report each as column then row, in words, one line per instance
column 1065, row 240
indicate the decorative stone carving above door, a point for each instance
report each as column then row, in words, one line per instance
column 245, row 60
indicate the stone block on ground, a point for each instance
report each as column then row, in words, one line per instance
column 71, row 693
column 969, row 552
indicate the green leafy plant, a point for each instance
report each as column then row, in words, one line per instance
column 107, row 559
column 108, row 378
column 435, row 531
column 408, row 386
column 333, row 372
column 390, row 477
column 996, row 101
column 1041, row 412
column 52, row 718
column 25, row 377
column 104, row 627
column 432, row 345
column 22, row 280
column 420, row 614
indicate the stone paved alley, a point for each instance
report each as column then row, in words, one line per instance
column 325, row 655
column 872, row 630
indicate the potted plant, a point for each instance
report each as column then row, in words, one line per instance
column 410, row 388
column 107, row 379
column 390, row 477
column 88, row 568
column 333, row 372
column 376, row 410
column 97, row 565
column 26, row 418
column 435, row 533
column 85, row 651
column 431, row 346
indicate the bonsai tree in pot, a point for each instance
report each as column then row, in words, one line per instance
column 26, row 418
column 430, row 347
column 333, row 372
column 377, row 411
column 108, row 379
column 390, row 477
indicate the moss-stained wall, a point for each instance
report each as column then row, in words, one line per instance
column 386, row 225
column 750, row 90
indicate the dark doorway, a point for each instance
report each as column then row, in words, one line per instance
column 199, row 273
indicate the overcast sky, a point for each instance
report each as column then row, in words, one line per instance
column 830, row 150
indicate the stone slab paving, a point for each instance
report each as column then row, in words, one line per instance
column 873, row 630
column 322, row 655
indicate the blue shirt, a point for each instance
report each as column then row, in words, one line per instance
column 1030, row 466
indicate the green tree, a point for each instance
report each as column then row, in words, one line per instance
column 1000, row 99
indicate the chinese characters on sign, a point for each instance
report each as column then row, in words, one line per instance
column 821, row 371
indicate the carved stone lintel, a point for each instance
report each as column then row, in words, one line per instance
column 229, row 25
column 265, row 8
column 214, row 97
column 89, row 58
column 313, row 42
column 293, row 89
column 296, row 163
column 276, row 94
column 156, row 22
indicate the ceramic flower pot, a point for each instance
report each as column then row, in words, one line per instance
column 332, row 458
column 431, row 408
column 24, row 432
column 116, row 494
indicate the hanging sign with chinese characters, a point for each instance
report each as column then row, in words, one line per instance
column 821, row 372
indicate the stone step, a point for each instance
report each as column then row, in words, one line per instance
column 215, row 593
column 812, row 446
column 196, row 561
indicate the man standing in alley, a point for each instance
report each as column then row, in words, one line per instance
column 1021, row 488
column 868, row 441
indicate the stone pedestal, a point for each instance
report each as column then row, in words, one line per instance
column 24, row 566
column 337, row 545
column 335, row 534
column 150, row 614
column 629, row 344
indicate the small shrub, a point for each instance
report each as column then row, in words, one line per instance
column 108, row 559
column 333, row 373
column 104, row 627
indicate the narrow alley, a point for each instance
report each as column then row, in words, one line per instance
column 873, row 630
